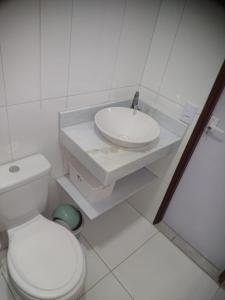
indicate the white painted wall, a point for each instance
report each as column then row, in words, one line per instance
column 61, row 54
column 197, row 209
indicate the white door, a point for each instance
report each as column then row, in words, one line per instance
column 197, row 210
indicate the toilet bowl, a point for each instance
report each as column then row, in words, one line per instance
column 44, row 259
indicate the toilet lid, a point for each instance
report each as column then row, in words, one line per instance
column 45, row 260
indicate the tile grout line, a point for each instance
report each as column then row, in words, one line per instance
column 94, row 285
column 40, row 49
column 69, row 54
column 96, row 253
column 7, row 284
column 65, row 96
column 133, row 252
column 142, row 215
column 196, row 261
column 122, row 285
column 118, row 46
column 150, row 44
column 187, row 255
column 110, row 271
column 213, row 298
column 158, row 93
column 161, row 230
column 172, row 46
column 6, row 107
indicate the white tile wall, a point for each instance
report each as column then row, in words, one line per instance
column 87, row 99
column 160, row 102
column 187, row 51
column 34, row 128
column 82, row 52
column 2, row 88
column 170, row 107
column 4, row 137
column 138, row 28
column 26, row 129
column 20, row 42
column 198, row 53
column 95, row 36
column 55, row 197
column 55, row 44
column 43, row 43
column 123, row 93
column 51, row 148
column 162, row 43
column 148, row 96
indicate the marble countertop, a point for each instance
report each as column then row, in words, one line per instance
column 109, row 162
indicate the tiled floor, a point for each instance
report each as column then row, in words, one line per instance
column 128, row 258
column 189, row 251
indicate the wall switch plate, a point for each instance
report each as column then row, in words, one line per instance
column 214, row 121
column 189, row 112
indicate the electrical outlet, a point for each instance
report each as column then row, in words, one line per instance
column 214, row 121
column 189, row 112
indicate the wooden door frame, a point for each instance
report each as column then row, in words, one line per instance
column 202, row 122
column 221, row 278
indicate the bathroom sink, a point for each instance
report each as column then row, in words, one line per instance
column 127, row 127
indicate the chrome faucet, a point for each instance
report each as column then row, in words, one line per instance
column 134, row 104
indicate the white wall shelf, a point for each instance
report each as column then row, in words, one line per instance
column 124, row 188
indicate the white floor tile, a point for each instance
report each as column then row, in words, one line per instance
column 166, row 230
column 109, row 288
column 159, row 271
column 220, row 295
column 5, row 293
column 199, row 259
column 6, row 278
column 116, row 234
column 96, row 269
column 147, row 201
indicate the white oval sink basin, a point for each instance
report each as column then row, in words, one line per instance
column 127, row 127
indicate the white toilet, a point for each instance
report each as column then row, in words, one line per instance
column 45, row 260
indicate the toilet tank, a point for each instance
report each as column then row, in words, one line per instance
column 23, row 189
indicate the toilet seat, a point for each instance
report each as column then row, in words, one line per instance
column 45, row 260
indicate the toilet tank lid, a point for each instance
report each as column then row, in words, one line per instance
column 22, row 171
